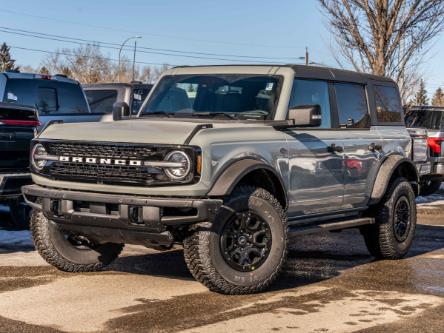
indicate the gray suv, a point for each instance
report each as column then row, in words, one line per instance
column 229, row 161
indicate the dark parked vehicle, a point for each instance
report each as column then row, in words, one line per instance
column 17, row 128
column 230, row 162
column 431, row 119
column 102, row 96
column 56, row 97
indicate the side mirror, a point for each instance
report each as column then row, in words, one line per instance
column 305, row 115
column 121, row 110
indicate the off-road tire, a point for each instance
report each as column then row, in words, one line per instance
column 202, row 249
column 19, row 213
column 430, row 187
column 60, row 253
column 380, row 238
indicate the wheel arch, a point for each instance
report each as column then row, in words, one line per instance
column 394, row 166
column 253, row 172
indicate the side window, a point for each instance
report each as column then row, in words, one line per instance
column 312, row 92
column 388, row 104
column 352, row 106
column 71, row 98
column 101, row 101
column 47, row 99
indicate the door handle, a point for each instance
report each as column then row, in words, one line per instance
column 374, row 147
column 333, row 148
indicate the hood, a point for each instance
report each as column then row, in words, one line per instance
column 131, row 131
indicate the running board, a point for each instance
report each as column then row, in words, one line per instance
column 312, row 229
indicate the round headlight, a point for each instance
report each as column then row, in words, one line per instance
column 37, row 156
column 179, row 172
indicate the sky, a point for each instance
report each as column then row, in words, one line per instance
column 258, row 30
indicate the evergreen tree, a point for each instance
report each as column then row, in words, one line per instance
column 6, row 62
column 44, row 70
column 421, row 96
column 438, row 98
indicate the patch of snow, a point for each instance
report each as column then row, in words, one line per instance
column 13, row 239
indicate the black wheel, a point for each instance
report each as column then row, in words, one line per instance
column 245, row 247
column 392, row 235
column 19, row 213
column 430, row 187
column 69, row 252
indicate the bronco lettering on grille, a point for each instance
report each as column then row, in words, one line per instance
column 104, row 161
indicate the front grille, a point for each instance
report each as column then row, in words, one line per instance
column 107, row 174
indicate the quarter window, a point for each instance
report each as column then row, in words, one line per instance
column 311, row 92
column 352, row 106
column 388, row 104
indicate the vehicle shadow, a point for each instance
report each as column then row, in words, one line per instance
column 311, row 258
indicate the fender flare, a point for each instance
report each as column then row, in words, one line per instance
column 386, row 172
column 231, row 175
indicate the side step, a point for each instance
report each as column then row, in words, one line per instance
column 314, row 228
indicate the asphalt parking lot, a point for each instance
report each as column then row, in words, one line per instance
column 330, row 284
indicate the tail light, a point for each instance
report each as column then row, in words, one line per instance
column 32, row 123
column 435, row 145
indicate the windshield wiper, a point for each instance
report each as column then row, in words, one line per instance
column 215, row 114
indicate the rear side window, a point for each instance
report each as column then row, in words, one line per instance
column 51, row 97
column 352, row 106
column 101, row 101
column 312, row 92
column 388, row 105
column 424, row 119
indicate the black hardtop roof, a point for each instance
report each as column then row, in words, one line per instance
column 317, row 72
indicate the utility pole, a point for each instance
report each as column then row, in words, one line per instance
column 307, row 57
column 134, row 59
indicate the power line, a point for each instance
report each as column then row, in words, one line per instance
column 21, row 13
column 89, row 41
column 143, row 49
column 90, row 57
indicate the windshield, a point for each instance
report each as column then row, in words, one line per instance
column 216, row 95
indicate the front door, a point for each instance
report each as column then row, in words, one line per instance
column 316, row 183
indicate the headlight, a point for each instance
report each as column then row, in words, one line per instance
column 38, row 156
column 180, row 157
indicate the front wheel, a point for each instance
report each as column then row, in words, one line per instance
column 392, row 235
column 69, row 252
column 244, row 249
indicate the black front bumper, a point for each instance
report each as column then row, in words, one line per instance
column 120, row 218
column 11, row 184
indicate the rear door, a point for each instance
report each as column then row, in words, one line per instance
column 362, row 142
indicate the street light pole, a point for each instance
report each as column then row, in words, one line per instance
column 120, row 54
column 134, row 59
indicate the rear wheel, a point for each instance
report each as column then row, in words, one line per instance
column 245, row 247
column 392, row 235
column 70, row 252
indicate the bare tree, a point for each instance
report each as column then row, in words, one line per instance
column 386, row 37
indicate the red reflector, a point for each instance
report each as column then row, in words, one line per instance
column 435, row 144
column 21, row 122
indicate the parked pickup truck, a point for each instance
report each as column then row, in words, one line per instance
column 431, row 120
column 102, row 96
column 17, row 128
column 231, row 162
column 56, row 97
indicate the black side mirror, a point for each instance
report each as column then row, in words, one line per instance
column 121, row 110
column 305, row 115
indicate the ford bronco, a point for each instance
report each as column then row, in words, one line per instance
column 231, row 162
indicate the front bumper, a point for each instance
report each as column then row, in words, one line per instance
column 11, row 184
column 120, row 218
